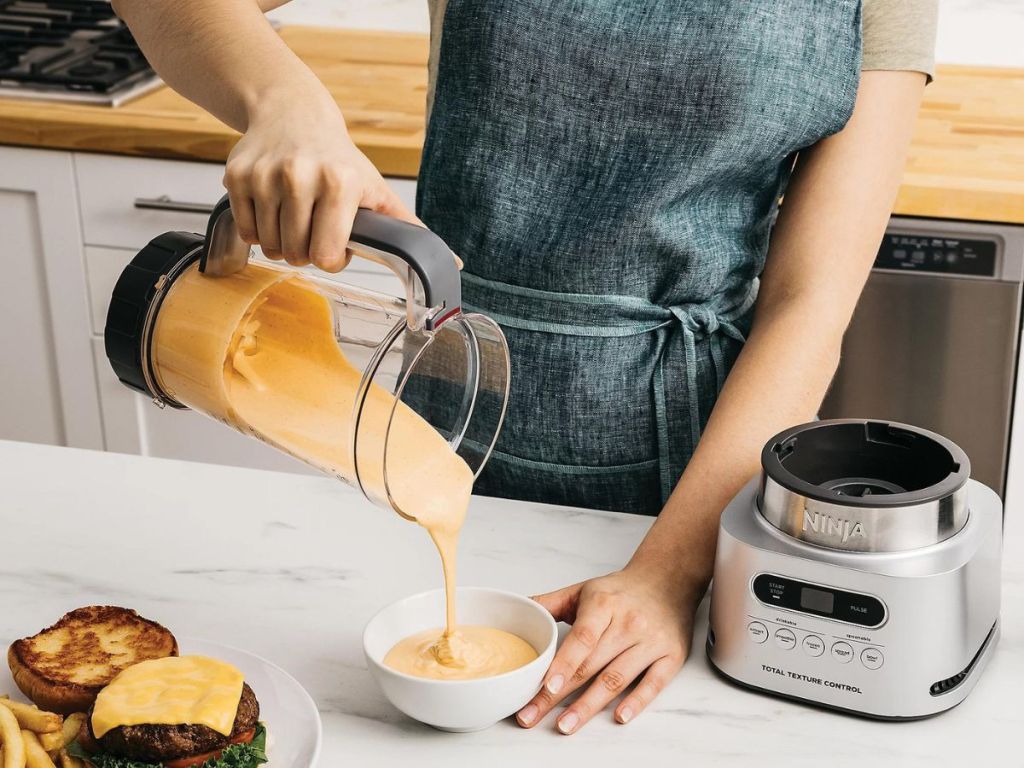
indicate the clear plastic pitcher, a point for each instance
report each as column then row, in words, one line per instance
column 400, row 398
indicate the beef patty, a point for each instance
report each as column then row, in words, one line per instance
column 159, row 743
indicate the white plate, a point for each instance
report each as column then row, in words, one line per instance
column 294, row 730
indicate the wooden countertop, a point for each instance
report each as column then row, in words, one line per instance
column 379, row 79
column 967, row 159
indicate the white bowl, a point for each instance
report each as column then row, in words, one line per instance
column 461, row 705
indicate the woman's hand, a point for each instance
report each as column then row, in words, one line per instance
column 630, row 625
column 296, row 179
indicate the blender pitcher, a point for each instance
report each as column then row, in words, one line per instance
column 403, row 399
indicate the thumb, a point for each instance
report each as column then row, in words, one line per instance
column 561, row 603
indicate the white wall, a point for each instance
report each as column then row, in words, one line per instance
column 970, row 31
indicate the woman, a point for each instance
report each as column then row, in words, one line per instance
column 609, row 172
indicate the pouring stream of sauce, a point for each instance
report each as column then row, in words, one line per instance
column 257, row 351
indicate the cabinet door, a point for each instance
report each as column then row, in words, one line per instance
column 47, row 385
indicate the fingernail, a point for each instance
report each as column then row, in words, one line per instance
column 568, row 722
column 528, row 714
column 554, row 685
column 625, row 715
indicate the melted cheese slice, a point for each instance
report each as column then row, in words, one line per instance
column 178, row 690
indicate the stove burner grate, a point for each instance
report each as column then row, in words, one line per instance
column 67, row 45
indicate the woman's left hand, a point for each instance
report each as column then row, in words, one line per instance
column 631, row 624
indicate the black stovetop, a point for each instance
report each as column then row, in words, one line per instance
column 67, row 45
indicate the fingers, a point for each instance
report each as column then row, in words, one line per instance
column 333, row 214
column 590, row 625
column 243, row 212
column 587, row 648
column 268, row 211
column 299, row 205
column 607, row 685
column 298, row 187
column 653, row 682
column 562, row 603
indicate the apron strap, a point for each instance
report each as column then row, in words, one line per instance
column 593, row 315
column 693, row 320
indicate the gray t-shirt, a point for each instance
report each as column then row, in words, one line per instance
column 900, row 34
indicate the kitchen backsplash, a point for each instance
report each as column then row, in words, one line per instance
column 970, row 31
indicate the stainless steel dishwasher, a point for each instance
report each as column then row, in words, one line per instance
column 934, row 339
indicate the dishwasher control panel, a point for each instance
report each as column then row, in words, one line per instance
column 940, row 255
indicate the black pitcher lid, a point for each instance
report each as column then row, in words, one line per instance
column 165, row 257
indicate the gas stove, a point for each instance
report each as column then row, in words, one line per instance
column 69, row 50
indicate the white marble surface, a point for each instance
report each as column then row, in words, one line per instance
column 989, row 32
column 291, row 567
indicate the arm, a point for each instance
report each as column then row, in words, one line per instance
column 295, row 178
column 637, row 623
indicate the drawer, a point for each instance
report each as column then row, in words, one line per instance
column 108, row 187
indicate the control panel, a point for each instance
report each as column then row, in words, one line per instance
column 805, row 635
column 814, row 645
column 940, row 255
column 818, row 600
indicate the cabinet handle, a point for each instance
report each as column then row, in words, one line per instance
column 164, row 203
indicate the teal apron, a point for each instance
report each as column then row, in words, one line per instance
column 609, row 170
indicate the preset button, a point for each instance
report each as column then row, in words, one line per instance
column 785, row 639
column 842, row 652
column 758, row 632
column 814, row 645
column 872, row 658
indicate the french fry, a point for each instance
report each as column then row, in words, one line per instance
column 10, row 737
column 69, row 731
column 51, row 742
column 67, row 761
column 35, row 755
column 32, row 719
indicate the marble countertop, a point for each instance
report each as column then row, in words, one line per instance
column 291, row 567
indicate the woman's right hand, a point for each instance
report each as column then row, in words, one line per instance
column 295, row 180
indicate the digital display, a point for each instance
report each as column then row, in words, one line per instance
column 817, row 600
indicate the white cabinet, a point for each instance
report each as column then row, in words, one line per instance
column 47, row 387
column 71, row 222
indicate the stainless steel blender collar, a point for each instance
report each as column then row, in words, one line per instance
column 864, row 486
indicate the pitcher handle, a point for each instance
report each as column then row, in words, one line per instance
column 419, row 257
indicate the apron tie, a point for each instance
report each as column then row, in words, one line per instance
column 695, row 321
column 574, row 314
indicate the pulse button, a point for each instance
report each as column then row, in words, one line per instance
column 785, row 639
column 758, row 632
column 842, row 652
column 872, row 658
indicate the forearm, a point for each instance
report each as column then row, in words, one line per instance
column 223, row 55
column 778, row 381
column 841, row 193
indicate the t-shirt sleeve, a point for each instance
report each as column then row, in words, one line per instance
column 900, row 34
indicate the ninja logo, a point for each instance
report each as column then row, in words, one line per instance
column 834, row 527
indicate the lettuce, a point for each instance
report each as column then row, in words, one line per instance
column 236, row 756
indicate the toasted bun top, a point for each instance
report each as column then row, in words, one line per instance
column 89, row 646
